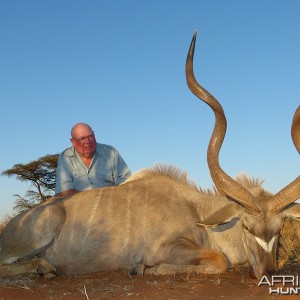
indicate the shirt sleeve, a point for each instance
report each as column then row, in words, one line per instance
column 64, row 180
column 121, row 171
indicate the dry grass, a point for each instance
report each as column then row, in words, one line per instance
column 289, row 243
column 2, row 225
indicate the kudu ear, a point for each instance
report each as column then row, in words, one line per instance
column 223, row 215
column 292, row 211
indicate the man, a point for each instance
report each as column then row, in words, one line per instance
column 88, row 164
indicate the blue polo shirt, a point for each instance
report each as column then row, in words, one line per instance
column 107, row 169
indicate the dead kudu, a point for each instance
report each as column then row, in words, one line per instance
column 156, row 222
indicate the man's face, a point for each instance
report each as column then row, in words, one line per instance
column 84, row 141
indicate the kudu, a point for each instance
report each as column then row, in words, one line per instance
column 157, row 221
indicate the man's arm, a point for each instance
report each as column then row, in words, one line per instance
column 64, row 183
column 122, row 170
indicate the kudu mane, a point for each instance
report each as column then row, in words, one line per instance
column 180, row 176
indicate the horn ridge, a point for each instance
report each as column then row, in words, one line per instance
column 223, row 182
column 291, row 192
column 295, row 129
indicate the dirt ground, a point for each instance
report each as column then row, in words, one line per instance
column 235, row 284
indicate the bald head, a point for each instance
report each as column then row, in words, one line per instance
column 80, row 127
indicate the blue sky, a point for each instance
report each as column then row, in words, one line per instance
column 119, row 66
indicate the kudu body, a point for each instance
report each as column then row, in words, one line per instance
column 157, row 221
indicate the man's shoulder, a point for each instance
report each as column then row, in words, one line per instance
column 67, row 152
column 104, row 148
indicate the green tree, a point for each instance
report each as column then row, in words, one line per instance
column 41, row 174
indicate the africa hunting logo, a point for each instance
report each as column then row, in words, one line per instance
column 281, row 284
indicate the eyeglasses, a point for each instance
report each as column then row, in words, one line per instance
column 89, row 137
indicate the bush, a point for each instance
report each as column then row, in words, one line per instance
column 289, row 243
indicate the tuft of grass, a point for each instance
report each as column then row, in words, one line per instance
column 289, row 243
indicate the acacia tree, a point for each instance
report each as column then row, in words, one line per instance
column 41, row 174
